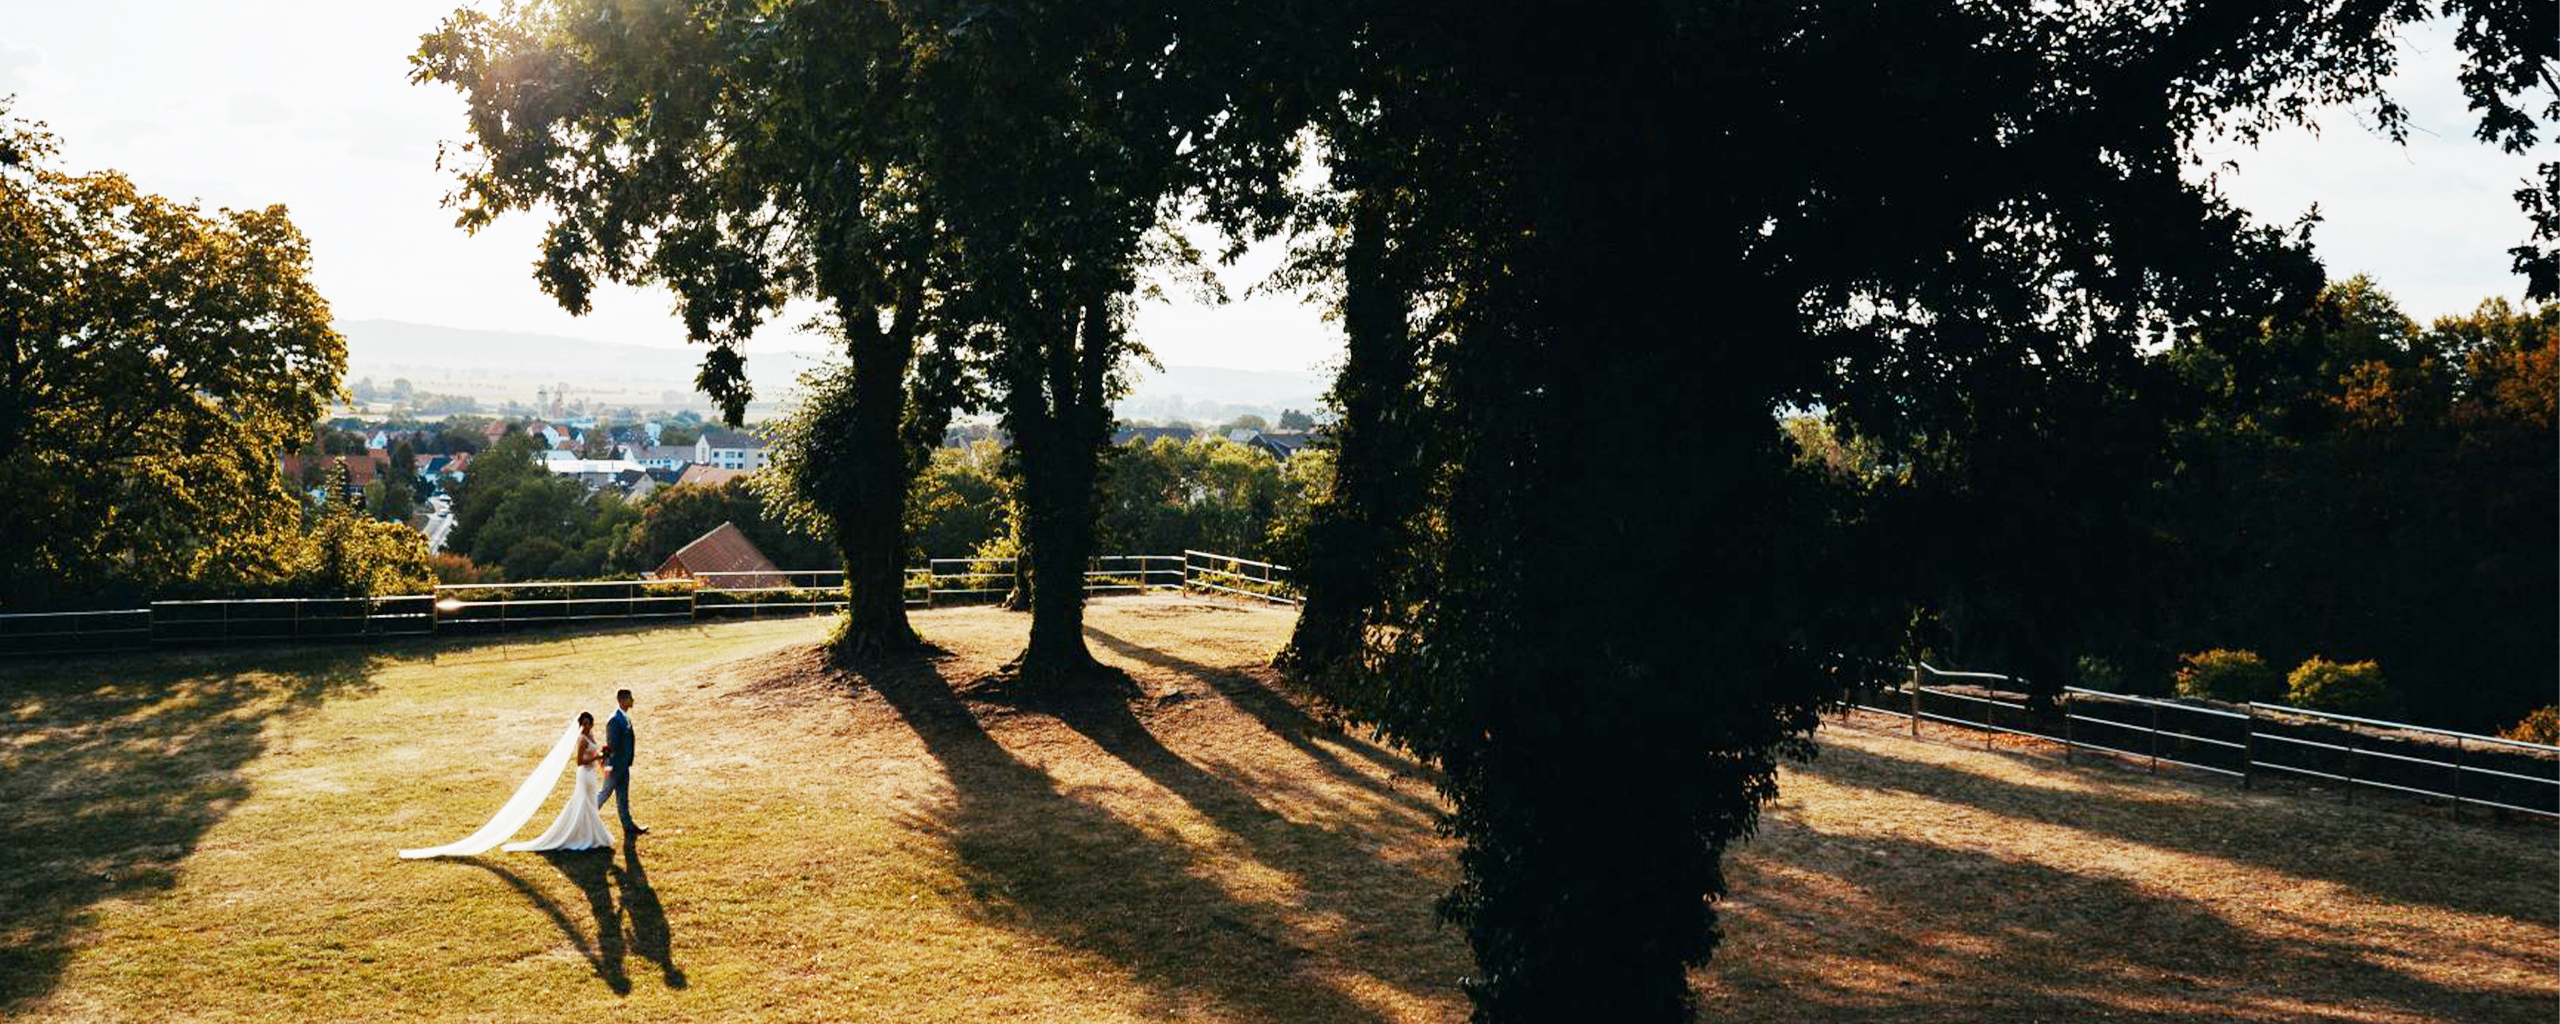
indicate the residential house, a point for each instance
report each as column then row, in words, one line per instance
column 361, row 470
column 637, row 483
column 440, row 470
column 730, row 450
column 1282, row 444
column 595, row 473
column 708, row 475
column 654, row 456
column 725, row 550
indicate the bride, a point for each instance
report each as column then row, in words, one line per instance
column 579, row 826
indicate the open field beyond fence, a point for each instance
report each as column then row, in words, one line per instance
column 210, row 836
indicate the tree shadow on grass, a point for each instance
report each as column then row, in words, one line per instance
column 1866, row 927
column 112, row 770
column 1038, row 859
column 1284, row 719
column 2391, row 855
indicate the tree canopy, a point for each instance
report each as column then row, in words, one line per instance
column 154, row 359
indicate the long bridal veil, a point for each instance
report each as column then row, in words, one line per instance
column 519, row 808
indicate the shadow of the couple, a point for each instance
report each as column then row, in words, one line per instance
column 597, row 873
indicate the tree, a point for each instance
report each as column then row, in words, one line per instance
column 153, row 359
column 511, row 463
column 775, row 160
column 1292, row 419
column 399, row 484
column 1095, row 110
column 961, row 502
column 1895, row 210
column 2334, row 466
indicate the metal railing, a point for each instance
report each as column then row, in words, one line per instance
column 290, row 618
column 1225, row 574
column 2366, row 765
column 2248, row 743
column 506, row 605
column 754, row 594
column 1103, row 574
column 75, row 632
column 480, row 607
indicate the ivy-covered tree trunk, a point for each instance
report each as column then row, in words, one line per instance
column 870, row 530
column 1060, row 419
column 1361, row 531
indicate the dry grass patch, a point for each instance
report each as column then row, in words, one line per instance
column 1902, row 880
column 211, row 837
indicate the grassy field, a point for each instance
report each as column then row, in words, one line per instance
column 211, row 837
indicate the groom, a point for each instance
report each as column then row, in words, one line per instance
column 618, row 741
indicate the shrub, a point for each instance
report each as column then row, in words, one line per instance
column 2354, row 688
column 2235, row 676
column 453, row 568
column 2542, row 726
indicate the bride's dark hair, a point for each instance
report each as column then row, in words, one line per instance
column 586, row 719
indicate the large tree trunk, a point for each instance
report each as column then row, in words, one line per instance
column 1061, row 423
column 870, row 524
column 1377, row 473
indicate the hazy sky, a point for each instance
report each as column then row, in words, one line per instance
column 307, row 103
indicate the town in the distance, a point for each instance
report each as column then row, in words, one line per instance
column 408, row 454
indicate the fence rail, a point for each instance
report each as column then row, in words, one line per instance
column 1225, row 574
column 2252, row 742
column 483, row 607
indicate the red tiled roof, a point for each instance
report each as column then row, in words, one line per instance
column 361, row 469
column 724, row 549
column 708, row 475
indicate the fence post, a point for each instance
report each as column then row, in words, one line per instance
column 2064, row 705
column 2249, row 746
column 2155, row 739
column 1990, row 716
column 2457, row 778
column 1915, row 702
column 2355, row 760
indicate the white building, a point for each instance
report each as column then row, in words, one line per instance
column 729, row 450
column 653, row 456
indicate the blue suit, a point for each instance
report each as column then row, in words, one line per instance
column 619, row 741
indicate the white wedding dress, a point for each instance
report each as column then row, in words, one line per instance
column 578, row 827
